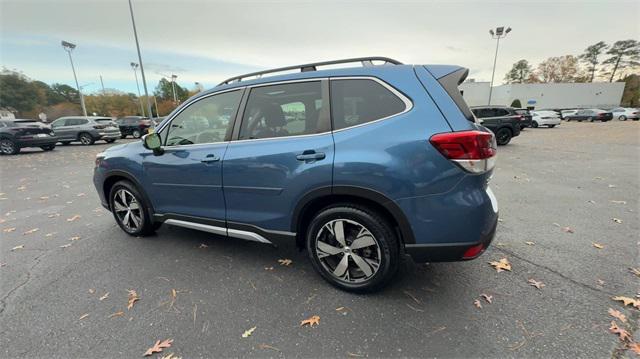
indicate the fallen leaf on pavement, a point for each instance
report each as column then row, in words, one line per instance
column 267, row 346
column 53, row 215
column 8, row 230
column 536, row 283
column 617, row 220
column 83, row 316
column 170, row 356
column 17, row 247
column 91, row 290
column 117, row 314
column 268, row 268
column 600, row 282
column 612, row 186
column 477, row 304
column 48, row 235
column 568, row 229
column 74, row 238
column 314, row 320
column 105, row 296
column 635, row 347
column 501, row 265
column 623, row 334
column 247, row 333
column 158, row 347
column 133, row 297
column 31, row 231
column 285, row 262
column 635, row 271
column 77, row 216
column 628, row 301
column 488, row 298
column 202, row 245
column 619, row 202
column 618, row 315
column 529, row 243
column 66, row 245
column 598, row 245
column 81, row 194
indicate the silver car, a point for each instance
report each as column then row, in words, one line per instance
column 87, row 130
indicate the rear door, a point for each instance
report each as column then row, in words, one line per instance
column 284, row 149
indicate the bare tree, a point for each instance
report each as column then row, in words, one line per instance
column 590, row 56
column 624, row 53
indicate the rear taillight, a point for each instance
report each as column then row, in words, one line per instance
column 473, row 252
column 473, row 151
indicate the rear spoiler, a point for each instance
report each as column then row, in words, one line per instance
column 450, row 77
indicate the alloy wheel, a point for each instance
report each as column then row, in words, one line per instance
column 136, row 134
column 85, row 139
column 7, row 147
column 348, row 251
column 127, row 209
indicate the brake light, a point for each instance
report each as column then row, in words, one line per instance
column 473, row 151
column 473, row 252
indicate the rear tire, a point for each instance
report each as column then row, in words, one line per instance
column 8, row 147
column 123, row 136
column 48, row 147
column 534, row 124
column 86, row 139
column 622, row 118
column 503, row 136
column 136, row 134
column 65, row 143
column 353, row 247
column 130, row 210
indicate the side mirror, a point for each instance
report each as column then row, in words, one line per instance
column 153, row 142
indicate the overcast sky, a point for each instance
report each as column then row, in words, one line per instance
column 207, row 41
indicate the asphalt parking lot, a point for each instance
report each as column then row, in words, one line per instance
column 66, row 269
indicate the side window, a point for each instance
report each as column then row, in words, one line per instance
column 487, row 112
column 82, row 121
column 57, row 123
column 71, row 122
column 283, row 110
column 354, row 102
column 502, row 112
column 204, row 121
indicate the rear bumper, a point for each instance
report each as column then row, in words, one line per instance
column 447, row 252
column 108, row 135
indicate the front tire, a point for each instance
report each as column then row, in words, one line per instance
column 353, row 248
column 534, row 124
column 48, row 147
column 8, row 147
column 503, row 136
column 622, row 118
column 86, row 139
column 129, row 210
column 136, row 134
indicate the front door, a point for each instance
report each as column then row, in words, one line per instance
column 284, row 149
column 63, row 128
column 186, row 179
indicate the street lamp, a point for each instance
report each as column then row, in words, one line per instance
column 144, row 80
column 68, row 47
column 499, row 33
column 134, row 66
column 173, row 86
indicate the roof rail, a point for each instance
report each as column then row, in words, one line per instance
column 365, row 61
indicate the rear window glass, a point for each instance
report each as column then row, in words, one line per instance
column 355, row 101
column 104, row 120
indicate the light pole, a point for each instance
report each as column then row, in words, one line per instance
column 144, row 80
column 498, row 34
column 173, row 86
column 134, row 66
column 68, row 47
column 155, row 100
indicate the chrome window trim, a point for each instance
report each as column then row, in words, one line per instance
column 166, row 122
column 407, row 102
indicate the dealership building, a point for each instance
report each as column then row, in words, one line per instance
column 547, row 95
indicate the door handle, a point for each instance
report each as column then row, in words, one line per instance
column 210, row 158
column 310, row 155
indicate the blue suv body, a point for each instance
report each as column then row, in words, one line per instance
column 358, row 165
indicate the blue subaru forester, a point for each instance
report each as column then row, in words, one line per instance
column 358, row 165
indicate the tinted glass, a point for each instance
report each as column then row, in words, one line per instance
column 204, row 121
column 283, row 110
column 354, row 102
column 501, row 112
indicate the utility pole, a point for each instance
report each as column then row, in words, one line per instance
column 68, row 47
column 102, row 84
column 144, row 80
column 498, row 34
column 173, row 86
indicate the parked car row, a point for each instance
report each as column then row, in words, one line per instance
column 22, row 133
column 596, row 114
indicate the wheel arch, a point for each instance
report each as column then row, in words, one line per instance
column 317, row 199
column 115, row 176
